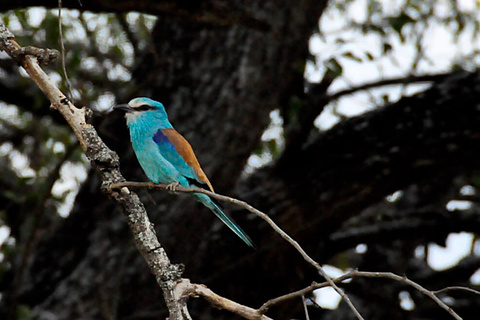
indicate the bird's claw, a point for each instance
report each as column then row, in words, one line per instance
column 172, row 186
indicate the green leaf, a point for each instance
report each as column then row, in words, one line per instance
column 399, row 22
column 352, row 56
column 272, row 147
column 387, row 47
column 385, row 98
column 476, row 181
column 295, row 104
column 50, row 25
column 24, row 312
column 334, row 67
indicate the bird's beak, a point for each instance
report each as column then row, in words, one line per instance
column 123, row 107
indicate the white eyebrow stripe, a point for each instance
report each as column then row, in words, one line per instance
column 136, row 104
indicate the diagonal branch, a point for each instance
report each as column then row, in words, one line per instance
column 122, row 20
column 107, row 165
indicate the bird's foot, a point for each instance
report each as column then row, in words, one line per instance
column 172, row 186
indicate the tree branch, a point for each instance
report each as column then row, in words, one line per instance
column 364, row 274
column 223, row 14
column 122, row 20
column 227, row 304
column 62, row 51
column 107, row 164
column 456, row 288
column 296, row 133
column 184, row 289
column 381, row 83
column 123, row 186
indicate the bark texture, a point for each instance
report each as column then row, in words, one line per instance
column 220, row 68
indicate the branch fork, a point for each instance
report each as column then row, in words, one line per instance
column 44, row 56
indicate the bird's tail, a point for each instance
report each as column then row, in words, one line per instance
column 209, row 203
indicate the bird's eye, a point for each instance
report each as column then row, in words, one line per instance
column 144, row 107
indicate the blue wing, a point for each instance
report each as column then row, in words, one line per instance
column 176, row 150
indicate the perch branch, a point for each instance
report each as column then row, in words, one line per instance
column 265, row 217
column 301, row 293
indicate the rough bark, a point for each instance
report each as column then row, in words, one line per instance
column 426, row 133
column 219, row 81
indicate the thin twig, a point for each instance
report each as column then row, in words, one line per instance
column 409, row 282
column 122, row 20
column 295, row 294
column 257, row 212
column 307, row 316
column 457, row 288
column 385, row 82
column 420, row 53
column 62, row 50
column 365, row 274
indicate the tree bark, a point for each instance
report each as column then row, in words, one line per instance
column 219, row 81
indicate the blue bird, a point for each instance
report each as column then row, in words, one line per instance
column 166, row 157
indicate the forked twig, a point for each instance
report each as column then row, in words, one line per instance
column 365, row 274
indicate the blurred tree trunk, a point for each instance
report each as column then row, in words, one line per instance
column 219, row 81
column 219, row 84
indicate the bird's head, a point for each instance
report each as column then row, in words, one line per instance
column 143, row 108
